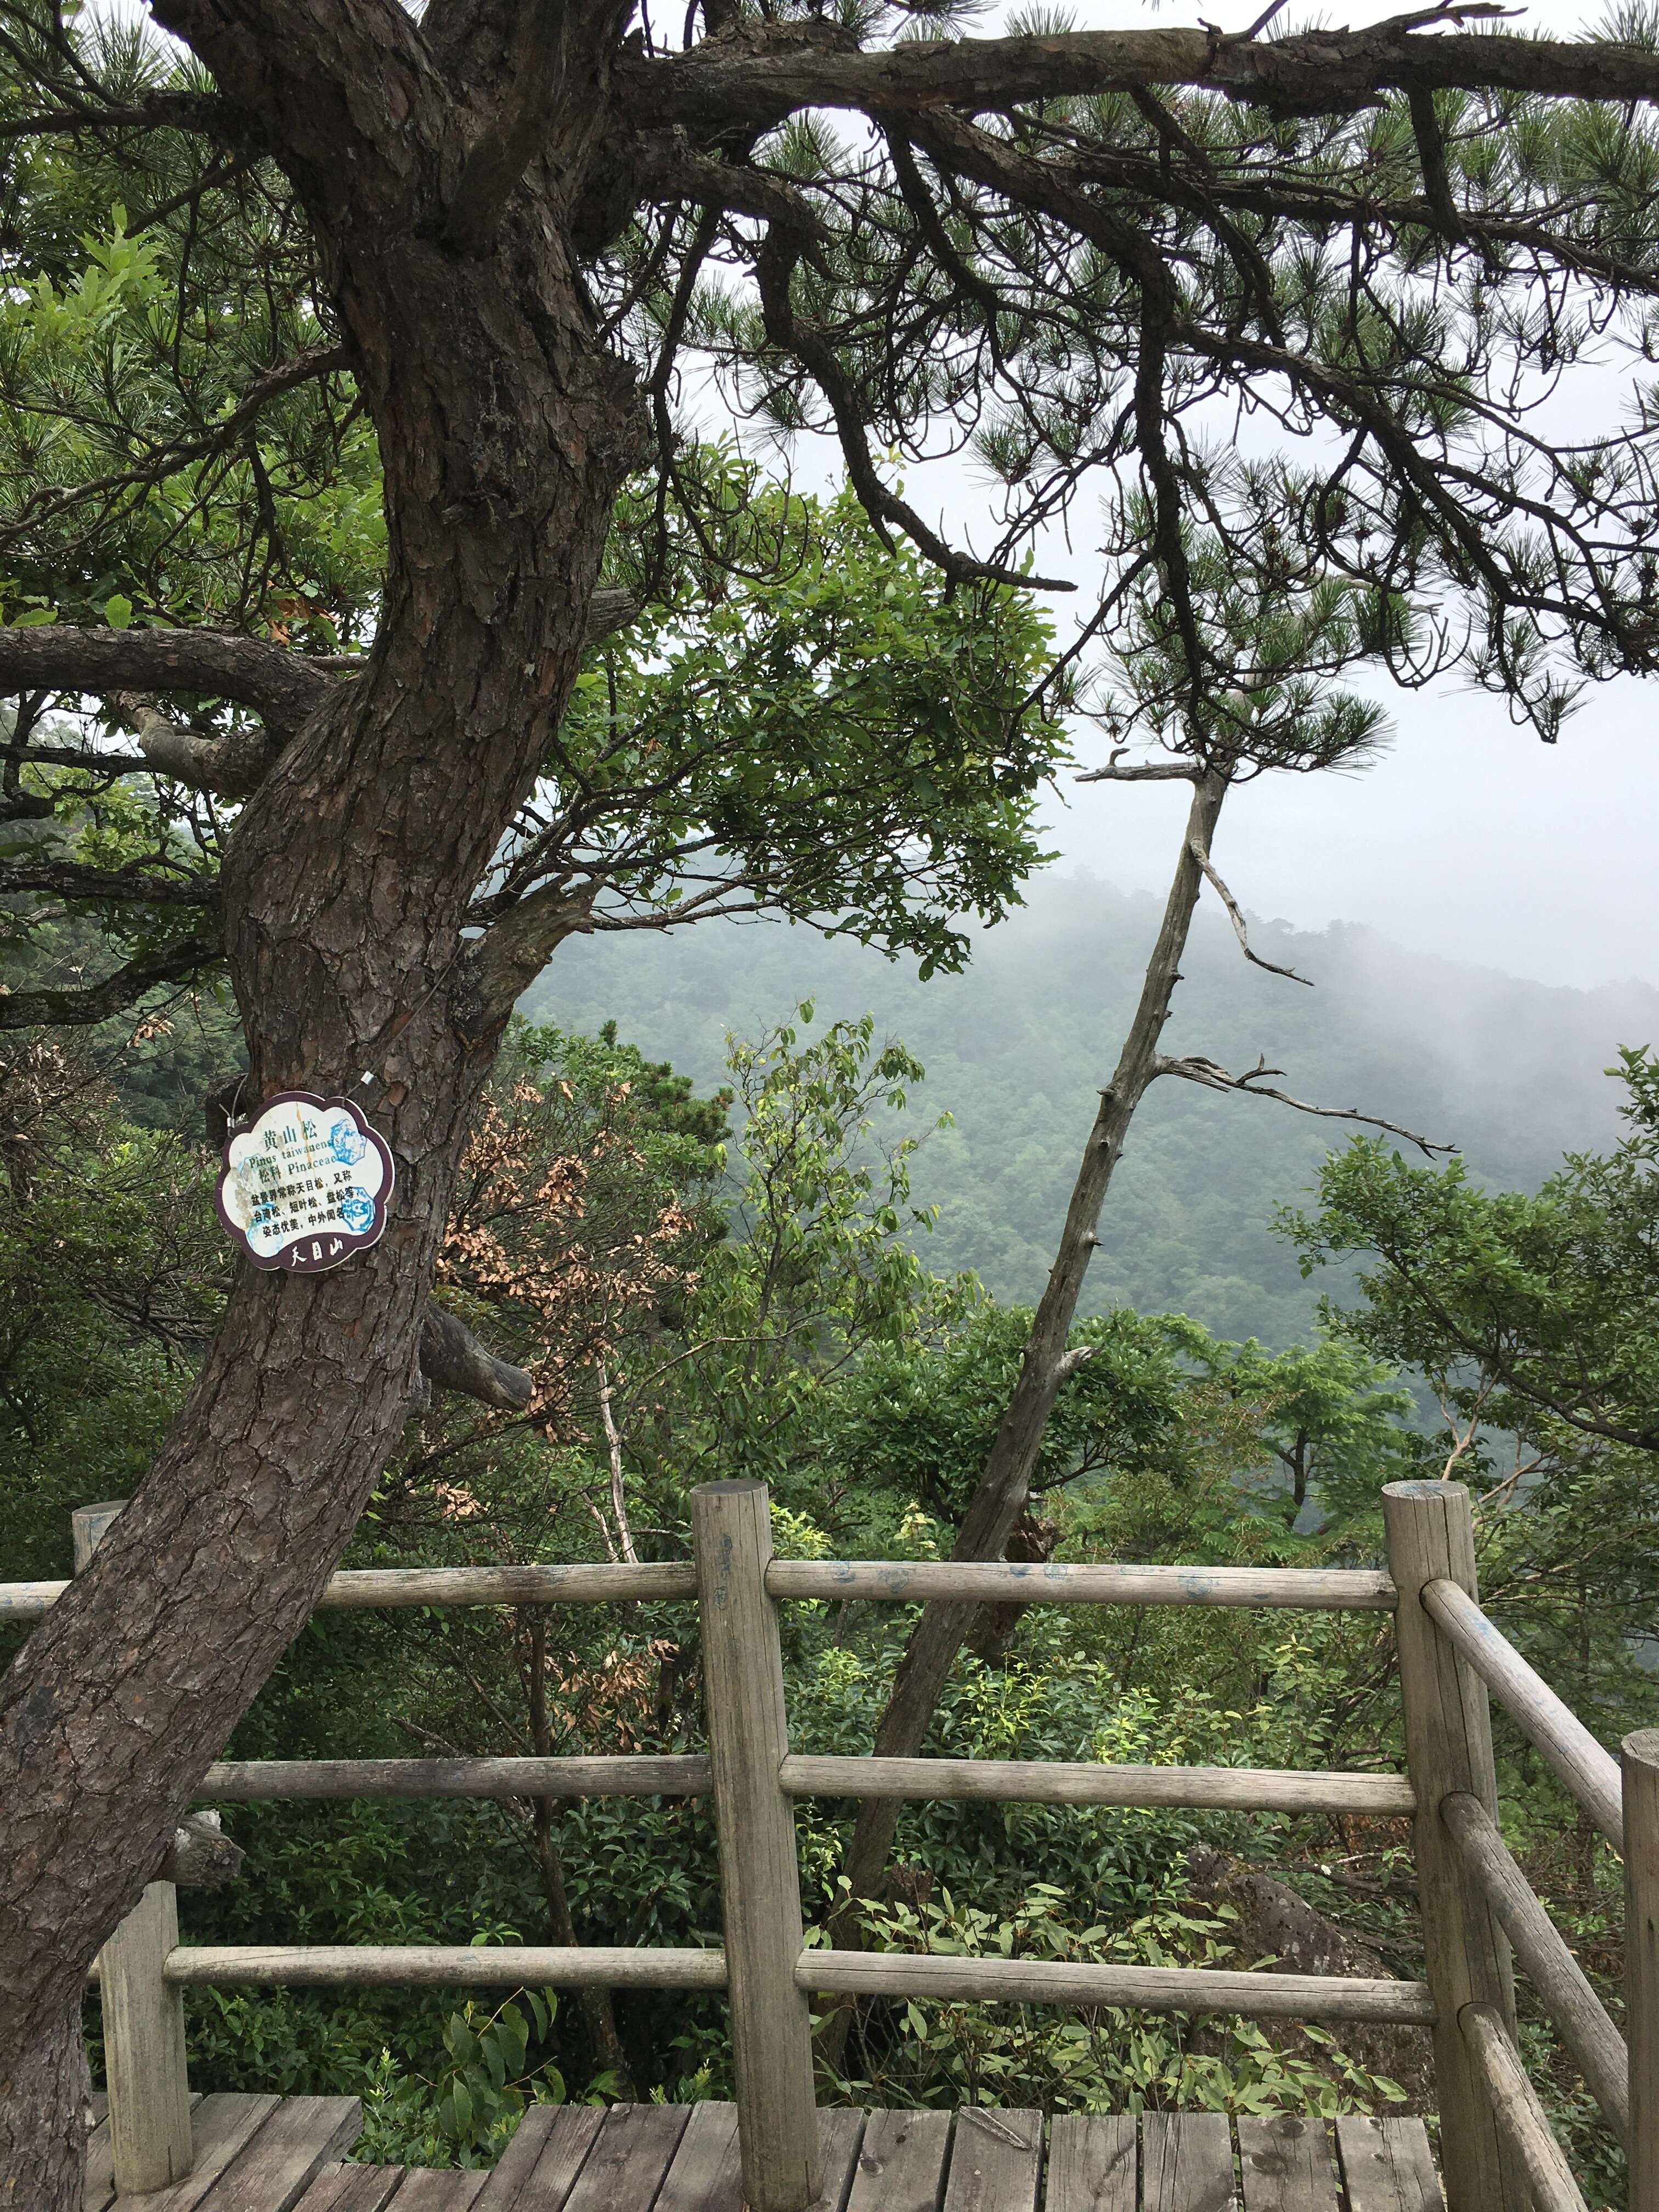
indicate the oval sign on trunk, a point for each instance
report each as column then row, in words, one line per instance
column 307, row 1184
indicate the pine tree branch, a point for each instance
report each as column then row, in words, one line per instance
column 68, row 879
column 51, row 501
column 162, row 110
column 179, row 962
column 757, row 81
column 284, row 688
column 505, row 148
column 454, row 1359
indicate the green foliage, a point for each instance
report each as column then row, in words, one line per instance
column 466, row 2116
column 1014, row 1048
column 1526, row 1309
column 917, row 1419
column 1534, row 1321
column 798, row 1331
column 112, row 1273
column 839, row 731
column 1091, row 2059
column 146, row 303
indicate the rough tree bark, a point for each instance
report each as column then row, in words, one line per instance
column 505, row 430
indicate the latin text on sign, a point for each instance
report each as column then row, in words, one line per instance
column 307, row 1184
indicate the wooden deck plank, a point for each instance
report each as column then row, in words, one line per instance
column 425, row 2190
column 300, row 2137
column 352, row 2189
column 624, row 2170
column 1186, row 2162
column 221, row 2128
column 841, row 2130
column 1286, row 2163
column 260, row 2154
column 1386, row 2166
column 996, row 2158
column 101, row 2168
column 1092, row 2161
column 901, row 2164
column 706, row 2172
column 538, row 2170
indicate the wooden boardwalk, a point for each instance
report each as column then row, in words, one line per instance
column 284, row 2155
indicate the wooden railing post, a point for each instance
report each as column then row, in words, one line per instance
column 1430, row 1533
column 143, row 2016
column 1641, row 1765
column 754, row 1822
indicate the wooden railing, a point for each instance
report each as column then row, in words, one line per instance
column 1497, row 2148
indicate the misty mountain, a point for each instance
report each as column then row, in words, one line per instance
column 1017, row 1046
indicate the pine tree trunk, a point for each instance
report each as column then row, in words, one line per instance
column 43, row 2073
column 505, row 430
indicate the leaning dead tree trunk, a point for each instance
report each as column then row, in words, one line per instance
column 1004, row 1486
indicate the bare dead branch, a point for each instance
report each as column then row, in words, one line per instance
column 1236, row 916
column 1147, row 772
column 230, row 767
column 614, row 1448
column 200, row 1856
column 1194, row 1069
column 507, row 959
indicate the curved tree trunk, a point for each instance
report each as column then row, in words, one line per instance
column 505, row 430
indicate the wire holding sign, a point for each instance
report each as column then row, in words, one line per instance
column 307, row 1184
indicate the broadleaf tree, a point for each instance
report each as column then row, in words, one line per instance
column 355, row 378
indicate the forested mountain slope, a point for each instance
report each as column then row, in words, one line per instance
column 1016, row 1047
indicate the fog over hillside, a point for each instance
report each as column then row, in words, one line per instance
column 1016, row 1047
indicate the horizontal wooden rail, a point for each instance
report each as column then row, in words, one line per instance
column 1318, row 1589
column 1566, row 1995
column 1588, row 1771
column 1003, row 1581
column 398, row 1588
column 238, row 1781
column 1142, row 1989
column 1046, row 1781
column 1522, row 2120
column 438, row 1966
column 27, row 1600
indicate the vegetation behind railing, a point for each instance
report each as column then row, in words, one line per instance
column 1478, row 1910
